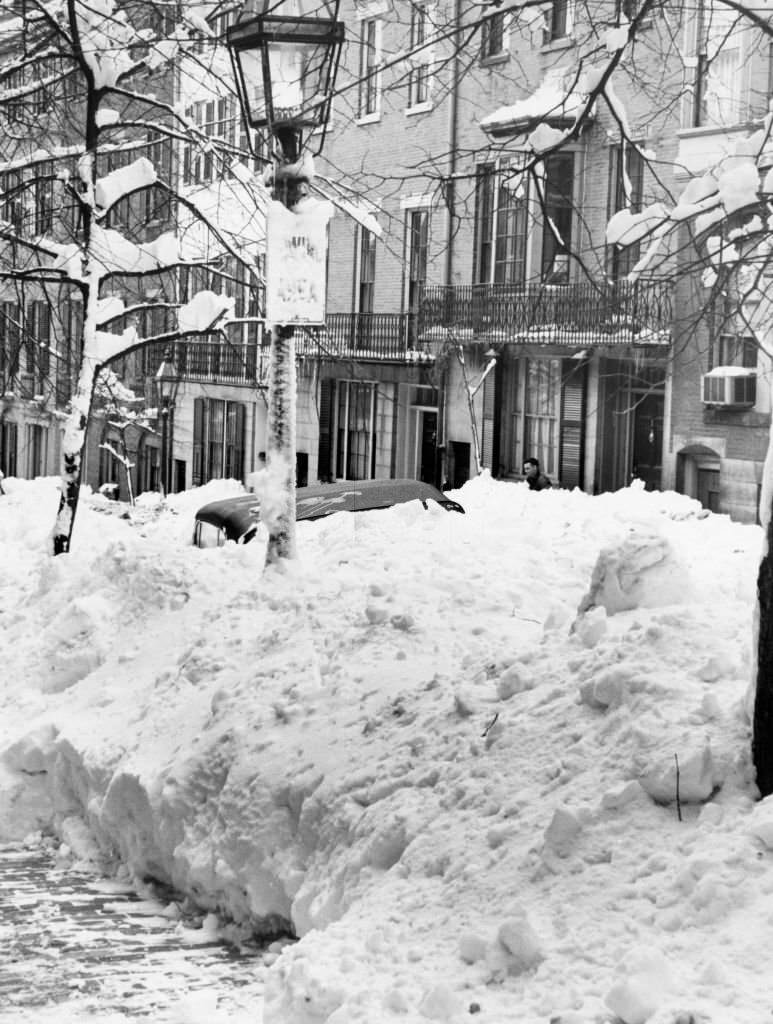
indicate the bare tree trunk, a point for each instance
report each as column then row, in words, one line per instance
column 72, row 456
column 281, row 440
column 762, row 737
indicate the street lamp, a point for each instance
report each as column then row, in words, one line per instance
column 167, row 383
column 285, row 56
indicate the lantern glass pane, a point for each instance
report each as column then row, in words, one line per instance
column 252, row 76
column 297, row 80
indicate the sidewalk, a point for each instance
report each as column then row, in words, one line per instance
column 78, row 948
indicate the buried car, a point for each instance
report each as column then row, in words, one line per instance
column 237, row 518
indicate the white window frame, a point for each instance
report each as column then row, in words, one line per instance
column 364, row 116
column 711, row 25
column 548, row 456
column 423, row 58
column 504, row 53
column 344, row 453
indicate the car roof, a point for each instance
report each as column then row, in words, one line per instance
column 237, row 515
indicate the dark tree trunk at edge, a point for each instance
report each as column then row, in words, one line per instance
column 762, row 739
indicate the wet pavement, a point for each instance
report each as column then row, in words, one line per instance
column 74, row 947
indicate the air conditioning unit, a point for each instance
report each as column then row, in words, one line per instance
column 731, row 387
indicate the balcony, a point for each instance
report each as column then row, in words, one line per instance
column 209, row 362
column 390, row 337
column 610, row 313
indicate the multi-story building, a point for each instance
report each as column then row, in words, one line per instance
column 217, row 424
column 490, row 321
column 487, row 256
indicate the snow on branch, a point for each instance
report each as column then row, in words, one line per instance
column 124, row 180
column 204, row 311
column 117, row 254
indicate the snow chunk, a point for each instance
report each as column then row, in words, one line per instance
column 440, row 1003
column 641, row 571
column 626, row 228
column 119, row 183
column 761, row 825
column 107, row 116
column 697, row 778
column 544, row 137
column 739, row 185
column 520, row 942
column 564, row 828
column 647, row 980
column 203, row 311
column 616, row 38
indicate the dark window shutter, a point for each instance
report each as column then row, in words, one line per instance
column 572, row 448
column 199, row 440
column 326, row 395
column 489, row 401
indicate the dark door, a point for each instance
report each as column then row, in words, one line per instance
column 428, row 454
column 708, row 489
column 647, row 451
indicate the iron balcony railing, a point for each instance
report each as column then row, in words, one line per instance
column 619, row 312
column 212, row 362
column 392, row 337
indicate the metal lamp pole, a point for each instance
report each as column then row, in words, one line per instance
column 285, row 55
column 167, row 381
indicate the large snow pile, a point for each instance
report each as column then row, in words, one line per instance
column 492, row 765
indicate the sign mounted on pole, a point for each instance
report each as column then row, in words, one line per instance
column 296, row 263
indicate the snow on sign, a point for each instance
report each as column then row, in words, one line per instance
column 296, row 262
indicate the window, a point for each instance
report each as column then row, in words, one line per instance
column 417, row 243
column 500, row 226
column 627, row 10
column 559, row 20
column 44, row 198
column 356, row 440
column 216, row 119
column 37, row 450
column 369, row 78
column 38, row 344
column 626, row 179
column 719, row 66
column 492, row 41
column 10, row 340
column 367, row 271
column 9, row 442
column 736, row 350
column 12, row 199
column 218, row 440
column 557, row 230
column 536, row 411
column 418, row 78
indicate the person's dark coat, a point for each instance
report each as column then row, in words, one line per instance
column 539, row 482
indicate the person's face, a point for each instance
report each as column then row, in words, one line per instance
column 529, row 469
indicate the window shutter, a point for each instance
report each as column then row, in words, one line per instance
column 326, row 396
column 199, row 440
column 570, row 459
column 487, row 441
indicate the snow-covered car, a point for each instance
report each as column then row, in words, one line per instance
column 237, row 518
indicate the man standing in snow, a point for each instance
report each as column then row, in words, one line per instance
column 536, row 480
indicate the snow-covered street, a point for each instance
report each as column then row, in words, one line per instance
column 441, row 749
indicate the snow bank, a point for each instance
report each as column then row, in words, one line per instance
column 442, row 748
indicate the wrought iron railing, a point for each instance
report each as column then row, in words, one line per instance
column 213, row 362
column 619, row 311
column 375, row 336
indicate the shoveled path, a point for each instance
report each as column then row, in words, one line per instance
column 76, row 948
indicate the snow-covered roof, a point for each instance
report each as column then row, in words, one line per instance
column 554, row 103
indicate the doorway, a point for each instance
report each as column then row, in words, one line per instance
column 647, row 446
column 426, row 445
